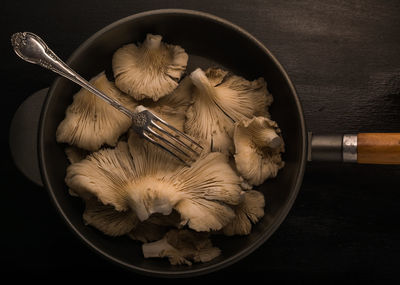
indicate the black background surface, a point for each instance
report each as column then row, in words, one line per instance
column 344, row 59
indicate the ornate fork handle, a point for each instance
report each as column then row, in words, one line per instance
column 33, row 49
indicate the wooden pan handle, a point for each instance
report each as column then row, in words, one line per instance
column 378, row 148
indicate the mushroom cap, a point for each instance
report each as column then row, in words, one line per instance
column 104, row 174
column 75, row 154
column 220, row 100
column 172, row 108
column 182, row 247
column 209, row 186
column 201, row 193
column 106, row 219
column 258, row 147
column 149, row 70
column 147, row 180
column 90, row 122
column 249, row 211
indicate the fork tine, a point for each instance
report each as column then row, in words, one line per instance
column 175, row 139
column 169, row 146
column 177, row 131
column 162, row 134
column 165, row 148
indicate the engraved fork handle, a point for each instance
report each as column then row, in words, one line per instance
column 33, row 49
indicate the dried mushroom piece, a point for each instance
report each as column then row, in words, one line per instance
column 106, row 219
column 248, row 212
column 90, row 122
column 258, row 147
column 182, row 247
column 149, row 70
column 220, row 100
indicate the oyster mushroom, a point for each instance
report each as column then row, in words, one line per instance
column 248, row 212
column 258, row 147
column 147, row 182
column 220, row 100
column 74, row 154
column 182, row 247
column 90, row 122
column 104, row 174
column 102, row 217
column 149, row 70
column 201, row 193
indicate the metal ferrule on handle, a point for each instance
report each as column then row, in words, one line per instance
column 365, row 148
column 334, row 148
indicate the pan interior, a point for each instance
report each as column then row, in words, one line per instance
column 209, row 42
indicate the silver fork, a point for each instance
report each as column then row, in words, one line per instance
column 33, row 49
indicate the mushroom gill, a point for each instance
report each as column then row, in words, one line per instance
column 220, row 100
column 143, row 179
column 90, row 122
column 149, row 70
column 258, row 148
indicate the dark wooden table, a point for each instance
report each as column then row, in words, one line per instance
column 344, row 58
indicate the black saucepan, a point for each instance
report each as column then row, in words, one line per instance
column 209, row 41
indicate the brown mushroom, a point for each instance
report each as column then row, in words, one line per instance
column 149, row 70
column 248, row 212
column 182, row 247
column 220, row 100
column 90, row 122
column 146, row 181
column 258, row 148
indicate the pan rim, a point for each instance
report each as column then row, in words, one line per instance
column 225, row 262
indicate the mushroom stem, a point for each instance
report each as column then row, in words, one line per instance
column 201, row 81
column 267, row 137
column 275, row 143
column 153, row 41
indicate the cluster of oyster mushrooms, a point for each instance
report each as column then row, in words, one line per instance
column 131, row 187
